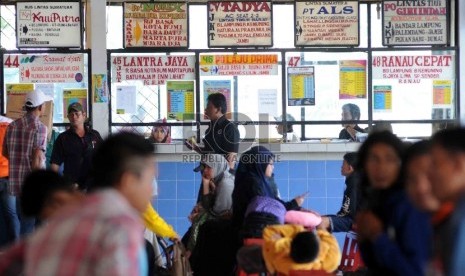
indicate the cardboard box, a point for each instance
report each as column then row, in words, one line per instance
column 14, row 109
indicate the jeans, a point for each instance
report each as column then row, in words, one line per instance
column 5, row 236
column 18, row 224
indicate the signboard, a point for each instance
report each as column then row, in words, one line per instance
column 180, row 100
column 413, row 69
column 48, row 68
column 49, row 24
column 155, row 25
column 330, row 23
column 236, row 65
column 415, row 22
column 240, row 24
column 153, row 69
column 301, row 86
column 352, row 79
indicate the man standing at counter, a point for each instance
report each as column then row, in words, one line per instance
column 74, row 147
column 350, row 112
column 222, row 136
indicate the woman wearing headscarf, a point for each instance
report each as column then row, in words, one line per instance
column 215, row 197
column 161, row 132
column 254, row 178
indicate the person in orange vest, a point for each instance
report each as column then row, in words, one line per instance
column 5, row 236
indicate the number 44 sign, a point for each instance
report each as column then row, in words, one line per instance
column 11, row 61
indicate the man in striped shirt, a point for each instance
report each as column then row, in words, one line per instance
column 24, row 147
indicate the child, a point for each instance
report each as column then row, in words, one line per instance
column 291, row 247
column 342, row 221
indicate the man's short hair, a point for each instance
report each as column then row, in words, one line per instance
column 218, row 100
column 452, row 140
column 118, row 154
column 38, row 187
column 304, row 247
column 351, row 158
column 353, row 109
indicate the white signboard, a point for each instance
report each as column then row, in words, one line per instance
column 412, row 69
column 155, row 25
column 236, row 24
column 153, row 70
column 329, row 23
column 51, row 68
column 415, row 22
column 236, row 65
column 48, row 24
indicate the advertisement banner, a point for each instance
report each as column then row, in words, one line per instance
column 51, row 68
column 327, row 23
column 49, row 24
column 152, row 70
column 413, row 69
column 236, row 24
column 155, row 25
column 415, row 22
column 236, row 65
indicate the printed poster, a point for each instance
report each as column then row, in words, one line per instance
column 301, row 86
column 352, row 79
column 442, row 92
column 49, row 24
column 180, row 100
column 268, row 102
column 414, row 69
column 72, row 95
column 326, row 23
column 161, row 24
column 152, row 69
column 237, row 65
column 240, row 24
column 415, row 22
column 51, row 68
column 382, row 98
column 218, row 86
column 126, row 99
column 99, row 88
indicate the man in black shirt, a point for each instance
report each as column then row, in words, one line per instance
column 74, row 147
column 222, row 136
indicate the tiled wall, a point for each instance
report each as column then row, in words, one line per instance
column 178, row 186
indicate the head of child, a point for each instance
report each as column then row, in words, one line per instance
column 46, row 192
column 304, row 247
column 348, row 163
column 161, row 132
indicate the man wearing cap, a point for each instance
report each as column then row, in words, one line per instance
column 24, row 146
column 74, row 147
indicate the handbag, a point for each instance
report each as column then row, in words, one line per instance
column 180, row 263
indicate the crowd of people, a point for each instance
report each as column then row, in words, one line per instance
column 86, row 216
